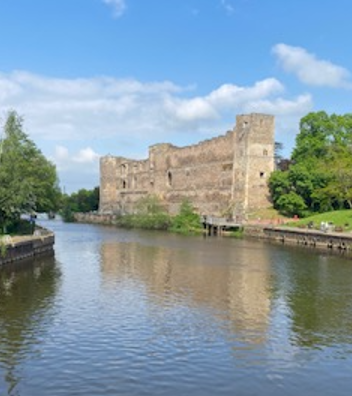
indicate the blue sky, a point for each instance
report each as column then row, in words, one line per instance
column 97, row 77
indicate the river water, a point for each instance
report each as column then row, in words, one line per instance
column 119, row 312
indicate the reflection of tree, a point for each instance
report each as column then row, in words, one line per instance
column 26, row 295
column 200, row 277
column 320, row 299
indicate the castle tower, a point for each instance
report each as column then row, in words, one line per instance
column 253, row 163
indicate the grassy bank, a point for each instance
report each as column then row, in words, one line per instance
column 340, row 219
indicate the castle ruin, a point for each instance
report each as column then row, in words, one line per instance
column 223, row 176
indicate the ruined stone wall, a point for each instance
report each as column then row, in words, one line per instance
column 202, row 173
column 253, row 163
column 222, row 176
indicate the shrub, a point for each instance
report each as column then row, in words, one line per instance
column 150, row 214
column 187, row 221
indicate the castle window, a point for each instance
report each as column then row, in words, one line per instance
column 262, row 174
column 124, row 184
column 123, row 169
column 169, row 178
column 265, row 152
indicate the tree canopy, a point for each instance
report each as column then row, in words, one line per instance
column 319, row 177
column 28, row 181
column 82, row 201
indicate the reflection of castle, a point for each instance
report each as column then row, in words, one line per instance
column 224, row 175
column 236, row 290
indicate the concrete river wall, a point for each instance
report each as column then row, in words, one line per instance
column 311, row 238
column 18, row 248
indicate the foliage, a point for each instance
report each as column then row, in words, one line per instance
column 21, row 227
column 319, row 175
column 292, row 204
column 28, row 181
column 82, row 201
column 187, row 221
column 150, row 214
column 237, row 233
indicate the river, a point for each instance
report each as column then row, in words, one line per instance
column 120, row 312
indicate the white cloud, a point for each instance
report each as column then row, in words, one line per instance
column 65, row 160
column 309, row 69
column 76, row 168
column 86, row 155
column 118, row 6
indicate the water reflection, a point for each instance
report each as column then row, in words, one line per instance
column 319, row 296
column 233, row 287
column 243, row 286
column 141, row 313
column 27, row 291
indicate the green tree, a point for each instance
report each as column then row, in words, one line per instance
column 337, row 168
column 292, row 204
column 28, row 181
column 319, row 176
column 82, row 201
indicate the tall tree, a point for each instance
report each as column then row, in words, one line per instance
column 319, row 178
column 28, row 181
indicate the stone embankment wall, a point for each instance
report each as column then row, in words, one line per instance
column 95, row 218
column 337, row 241
column 14, row 249
column 223, row 176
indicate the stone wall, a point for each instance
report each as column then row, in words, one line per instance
column 15, row 249
column 226, row 175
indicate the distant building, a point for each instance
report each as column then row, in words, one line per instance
column 223, row 176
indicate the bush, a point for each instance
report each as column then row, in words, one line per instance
column 292, row 204
column 187, row 221
column 150, row 214
column 20, row 227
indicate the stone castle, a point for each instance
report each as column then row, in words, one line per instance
column 225, row 176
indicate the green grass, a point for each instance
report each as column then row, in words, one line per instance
column 339, row 218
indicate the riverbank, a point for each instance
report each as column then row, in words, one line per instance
column 328, row 239
column 17, row 248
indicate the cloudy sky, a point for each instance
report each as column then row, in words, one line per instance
column 98, row 77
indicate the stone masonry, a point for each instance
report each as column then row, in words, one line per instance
column 225, row 176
